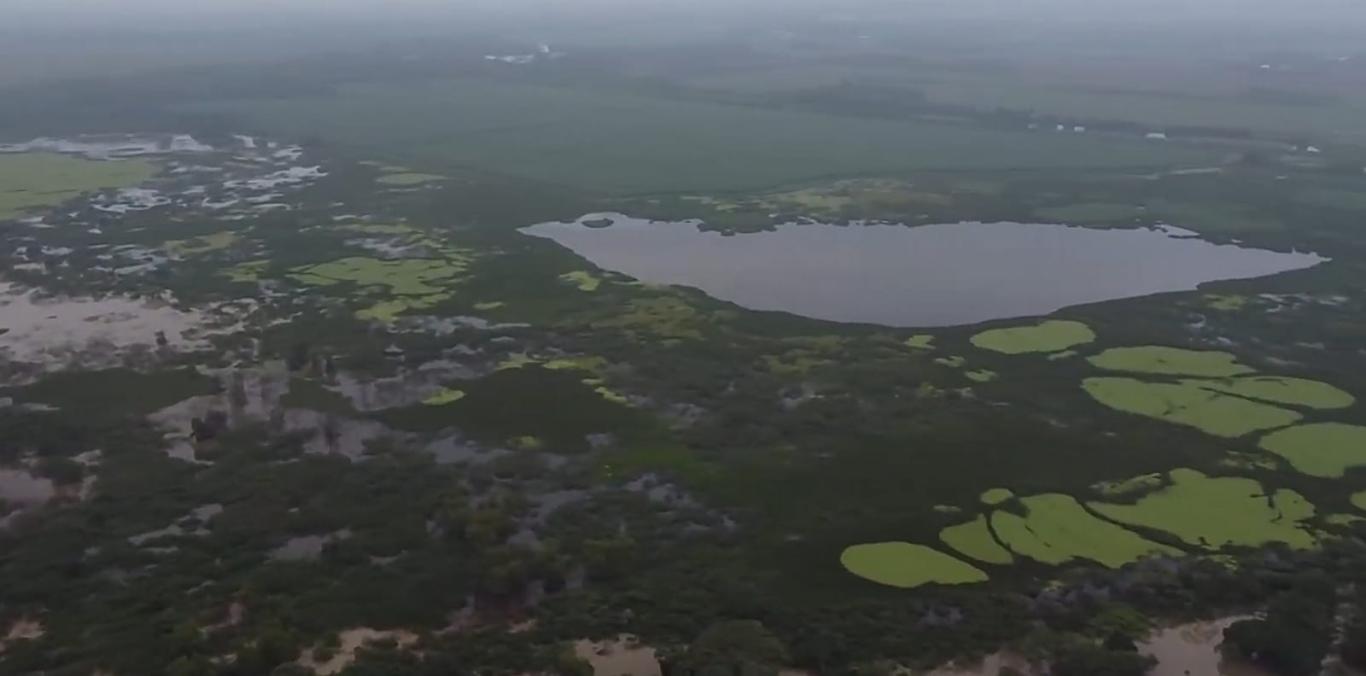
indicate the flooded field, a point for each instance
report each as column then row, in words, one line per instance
column 935, row 275
column 90, row 332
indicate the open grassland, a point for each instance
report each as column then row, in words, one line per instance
column 1057, row 529
column 1214, row 512
column 621, row 143
column 902, row 564
column 1049, row 336
column 32, row 180
column 1331, row 119
column 1160, row 360
column 1323, row 450
column 1189, row 404
column 1281, row 390
column 974, row 540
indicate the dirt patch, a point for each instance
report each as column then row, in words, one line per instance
column 23, row 629
column 625, row 656
column 352, row 640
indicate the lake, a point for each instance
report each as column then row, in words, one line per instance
column 925, row 276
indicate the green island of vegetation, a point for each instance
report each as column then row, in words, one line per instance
column 29, row 181
column 1056, row 529
column 1217, row 512
column 1158, row 360
column 1189, row 403
column 906, row 565
column 1320, row 449
column 1048, row 336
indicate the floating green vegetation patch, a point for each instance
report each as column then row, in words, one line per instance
column 975, row 541
column 582, row 280
column 405, row 179
column 444, row 396
column 527, row 442
column 1343, row 520
column 1049, row 336
column 608, row 393
column 248, row 272
column 1323, row 449
column 952, row 361
column 1174, row 361
column 1359, row 500
column 996, row 496
column 405, row 277
column 1086, row 213
column 1218, row 512
column 662, row 316
column 1281, row 390
column 923, row 341
column 1189, row 404
column 1057, row 529
column 389, row 310
column 201, row 245
column 519, row 360
column 981, row 376
column 795, row 362
column 1226, row 302
column 590, row 363
column 553, row 406
column 34, row 180
column 905, row 565
column 380, row 228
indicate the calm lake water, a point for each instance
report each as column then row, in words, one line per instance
column 933, row 275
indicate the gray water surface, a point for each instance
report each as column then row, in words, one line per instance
column 934, row 275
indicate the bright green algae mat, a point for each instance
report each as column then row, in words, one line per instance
column 1170, row 361
column 1217, row 512
column 1325, row 450
column 407, row 276
column 1049, row 336
column 1359, row 500
column 905, row 565
column 975, row 541
column 1057, row 529
column 996, row 496
column 1281, row 390
column 31, row 180
column 1189, row 403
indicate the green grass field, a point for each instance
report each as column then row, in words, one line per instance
column 1057, row 529
column 1214, row 512
column 1049, row 336
column 902, row 564
column 1189, row 403
column 621, row 143
column 33, row 180
column 1323, row 450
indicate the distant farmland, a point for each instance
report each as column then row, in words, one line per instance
column 626, row 144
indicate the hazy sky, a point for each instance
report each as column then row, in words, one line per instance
column 1301, row 18
column 1319, row 10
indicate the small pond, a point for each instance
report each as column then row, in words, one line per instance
column 934, row 275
